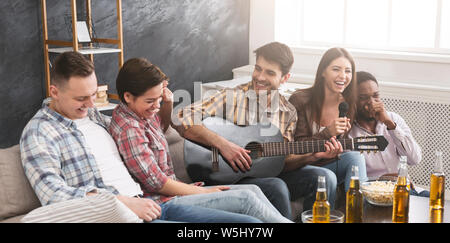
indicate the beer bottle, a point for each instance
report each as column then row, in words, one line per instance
column 436, row 215
column 437, row 190
column 321, row 207
column 437, row 185
column 354, row 199
column 400, row 208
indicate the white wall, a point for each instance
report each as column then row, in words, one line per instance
column 262, row 24
column 407, row 74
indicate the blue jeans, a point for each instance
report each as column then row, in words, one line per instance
column 173, row 213
column 302, row 182
column 276, row 190
column 241, row 199
column 342, row 168
column 424, row 193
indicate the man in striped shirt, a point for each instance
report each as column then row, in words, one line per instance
column 255, row 102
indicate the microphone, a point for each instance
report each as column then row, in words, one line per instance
column 343, row 109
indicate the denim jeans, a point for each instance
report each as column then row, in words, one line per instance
column 424, row 193
column 242, row 199
column 342, row 168
column 174, row 213
column 276, row 190
column 302, row 182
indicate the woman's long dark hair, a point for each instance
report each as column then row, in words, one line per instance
column 318, row 89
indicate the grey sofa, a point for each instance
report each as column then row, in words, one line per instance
column 17, row 197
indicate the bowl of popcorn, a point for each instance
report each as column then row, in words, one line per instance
column 379, row 192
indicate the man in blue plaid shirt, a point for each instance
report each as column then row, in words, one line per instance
column 60, row 151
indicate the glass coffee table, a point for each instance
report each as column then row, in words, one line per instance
column 418, row 212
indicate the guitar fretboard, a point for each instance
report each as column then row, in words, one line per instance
column 300, row 147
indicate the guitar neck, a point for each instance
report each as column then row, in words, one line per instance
column 301, row 147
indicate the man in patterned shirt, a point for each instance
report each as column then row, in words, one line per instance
column 273, row 63
column 67, row 152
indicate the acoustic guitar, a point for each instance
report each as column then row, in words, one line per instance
column 267, row 147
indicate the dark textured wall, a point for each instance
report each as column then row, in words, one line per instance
column 191, row 40
column 21, row 69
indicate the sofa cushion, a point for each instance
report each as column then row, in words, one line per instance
column 16, row 219
column 100, row 208
column 16, row 194
column 176, row 148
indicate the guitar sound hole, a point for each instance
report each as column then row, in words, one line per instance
column 256, row 150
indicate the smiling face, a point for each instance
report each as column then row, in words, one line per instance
column 73, row 98
column 146, row 105
column 267, row 75
column 338, row 75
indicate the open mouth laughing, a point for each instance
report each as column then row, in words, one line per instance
column 340, row 84
column 261, row 85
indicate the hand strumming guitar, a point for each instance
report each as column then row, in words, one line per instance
column 236, row 156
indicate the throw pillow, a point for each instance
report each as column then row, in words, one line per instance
column 17, row 197
column 100, row 208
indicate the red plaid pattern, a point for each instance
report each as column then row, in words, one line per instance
column 144, row 149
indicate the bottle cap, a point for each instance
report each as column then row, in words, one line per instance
column 403, row 159
column 321, row 179
column 438, row 162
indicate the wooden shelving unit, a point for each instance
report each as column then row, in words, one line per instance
column 63, row 46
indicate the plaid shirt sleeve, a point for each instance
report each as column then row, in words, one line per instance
column 42, row 165
column 140, row 159
column 194, row 114
column 290, row 128
column 100, row 118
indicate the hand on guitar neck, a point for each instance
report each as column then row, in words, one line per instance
column 295, row 161
column 333, row 149
column 237, row 157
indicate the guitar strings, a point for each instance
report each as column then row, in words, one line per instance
column 292, row 144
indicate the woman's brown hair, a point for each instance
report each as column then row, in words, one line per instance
column 136, row 76
column 318, row 89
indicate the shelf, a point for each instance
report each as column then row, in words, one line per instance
column 65, row 45
column 110, row 106
column 85, row 51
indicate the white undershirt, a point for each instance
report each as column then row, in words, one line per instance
column 112, row 169
column 316, row 128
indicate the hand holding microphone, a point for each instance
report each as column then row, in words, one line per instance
column 342, row 124
column 343, row 109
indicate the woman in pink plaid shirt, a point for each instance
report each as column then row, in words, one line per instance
column 138, row 124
